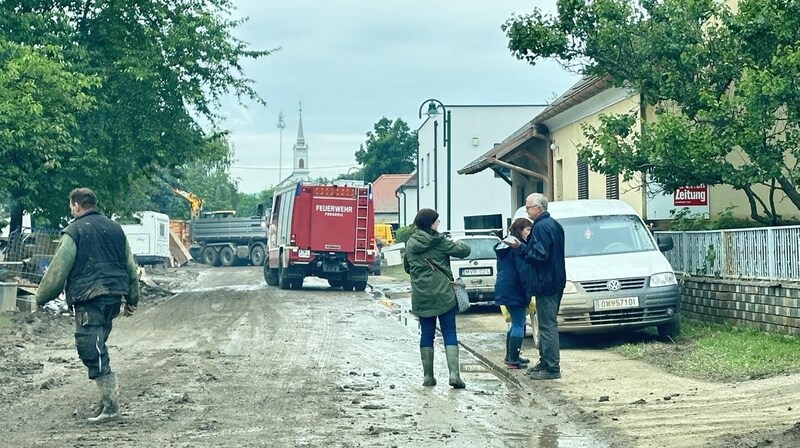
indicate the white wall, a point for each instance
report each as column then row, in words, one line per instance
column 407, row 206
column 473, row 194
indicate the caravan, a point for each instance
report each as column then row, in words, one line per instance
column 149, row 238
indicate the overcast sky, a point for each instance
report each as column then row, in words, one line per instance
column 353, row 62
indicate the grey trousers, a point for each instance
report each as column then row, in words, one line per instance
column 546, row 313
column 92, row 326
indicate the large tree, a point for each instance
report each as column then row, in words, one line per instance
column 160, row 66
column 391, row 148
column 722, row 85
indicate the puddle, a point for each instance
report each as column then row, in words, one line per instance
column 551, row 436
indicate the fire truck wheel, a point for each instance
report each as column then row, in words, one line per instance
column 257, row 255
column 226, row 256
column 347, row 285
column 270, row 275
column 297, row 283
column 283, row 281
column 210, row 256
column 335, row 283
column 360, row 286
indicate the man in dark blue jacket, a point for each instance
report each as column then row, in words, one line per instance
column 545, row 252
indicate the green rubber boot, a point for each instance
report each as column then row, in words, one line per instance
column 109, row 397
column 451, row 351
column 426, row 353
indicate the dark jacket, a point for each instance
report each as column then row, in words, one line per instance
column 514, row 277
column 545, row 252
column 100, row 267
column 431, row 291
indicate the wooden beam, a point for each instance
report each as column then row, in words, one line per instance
column 519, row 169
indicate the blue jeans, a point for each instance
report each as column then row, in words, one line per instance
column 447, row 323
column 517, row 328
column 547, row 315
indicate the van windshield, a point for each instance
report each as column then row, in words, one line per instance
column 602, row 235
column 482, row 248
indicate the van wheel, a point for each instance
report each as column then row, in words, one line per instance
column 226, row 256
column 535, row 329
column 347, row 285
column 671, row 330
column 257, row 255
column 210, row 256
column 359, row 286
column 297, row 283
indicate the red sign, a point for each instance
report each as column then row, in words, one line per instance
column 691, row 196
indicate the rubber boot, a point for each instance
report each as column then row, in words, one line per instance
column 426, row 353
column 109, row 396
column 451, row 351
column 514, row 347
column 522, row 360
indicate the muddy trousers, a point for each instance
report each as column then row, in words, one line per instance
column 92, row 326
column 447, row 324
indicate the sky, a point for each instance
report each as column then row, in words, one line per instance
column 351, row 63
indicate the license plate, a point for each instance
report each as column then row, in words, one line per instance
column 616, row 304
column 471, row 272
column 304, row 253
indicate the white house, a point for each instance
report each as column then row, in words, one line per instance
column 477, row 201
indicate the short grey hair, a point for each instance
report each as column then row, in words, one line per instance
column 538, row 199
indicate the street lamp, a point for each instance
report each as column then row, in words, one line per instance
column 434, row 106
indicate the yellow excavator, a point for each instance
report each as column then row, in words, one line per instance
column 195, row 202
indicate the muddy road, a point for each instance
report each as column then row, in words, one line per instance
column 228, row 361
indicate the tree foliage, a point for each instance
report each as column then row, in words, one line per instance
column 391, row 148
column 146, row 72
column 721, row 83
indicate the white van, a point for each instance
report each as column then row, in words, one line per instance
column 617, row 277
column 149, row 238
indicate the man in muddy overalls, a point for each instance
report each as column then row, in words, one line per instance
column 94, row 260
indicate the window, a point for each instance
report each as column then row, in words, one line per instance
column 428, row 175
column 583, row 180
column 612, row 186
column 162, row 230
column 422, row 172
column 301, row 164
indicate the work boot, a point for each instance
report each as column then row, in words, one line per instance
column 545, row 374
column 426, row 353
column 522, row 360
column 451, row 351
column 109, row 397
column 514, row 347
column 537, row 368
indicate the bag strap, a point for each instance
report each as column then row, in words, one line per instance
column 435, row 268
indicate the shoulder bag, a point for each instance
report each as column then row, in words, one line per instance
column 462, row 298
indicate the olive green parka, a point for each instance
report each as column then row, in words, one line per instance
column 431, row 292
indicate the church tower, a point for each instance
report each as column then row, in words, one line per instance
column 300, row 150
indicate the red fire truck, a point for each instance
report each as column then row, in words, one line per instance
column 325, row 231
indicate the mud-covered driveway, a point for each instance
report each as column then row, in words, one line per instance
column 231, row 362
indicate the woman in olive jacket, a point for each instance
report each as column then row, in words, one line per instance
column 427, row 261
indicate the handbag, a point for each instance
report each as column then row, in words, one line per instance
column 462, row 298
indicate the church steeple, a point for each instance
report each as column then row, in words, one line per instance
column 300, row 151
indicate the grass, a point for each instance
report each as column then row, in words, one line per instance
column 718, row 352
column 396, row 272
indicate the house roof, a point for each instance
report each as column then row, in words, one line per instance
column 586, row 88
column 410, row 183
column 383, row 192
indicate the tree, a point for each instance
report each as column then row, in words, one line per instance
column 390, row 148
column 722, row 86
column 160, row 65
column 40, row 96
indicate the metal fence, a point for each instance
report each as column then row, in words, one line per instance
column 765, row 253
column 25, row 257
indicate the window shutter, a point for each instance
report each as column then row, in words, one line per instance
column 583, row 180
column 612, row 186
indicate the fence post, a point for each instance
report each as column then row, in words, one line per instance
column 771, row 257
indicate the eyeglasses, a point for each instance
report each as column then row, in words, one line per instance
column 529, row 206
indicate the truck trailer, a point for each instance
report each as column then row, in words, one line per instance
column 318, row 230
column 224, row 240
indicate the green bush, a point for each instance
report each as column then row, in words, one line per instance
column 402, row 234
column 684, row 221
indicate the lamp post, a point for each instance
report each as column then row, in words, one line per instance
column 434, row 106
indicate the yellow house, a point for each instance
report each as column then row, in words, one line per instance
column 542, row 157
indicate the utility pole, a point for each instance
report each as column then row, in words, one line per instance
column 281, row 126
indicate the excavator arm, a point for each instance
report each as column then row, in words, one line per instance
column 195, row 202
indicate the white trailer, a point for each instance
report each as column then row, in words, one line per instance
column 149, row 239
